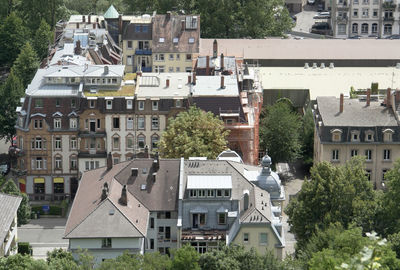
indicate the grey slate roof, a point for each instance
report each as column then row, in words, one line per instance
column 8, row 209
column 131, row 34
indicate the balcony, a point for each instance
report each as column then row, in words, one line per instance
column 389, row 5
column 92, row 154
column 341, row 19
column 92, row 134
column 342, row 6
column 18, row 171
column 388, row 19
column 143, row 52
column 146, row 69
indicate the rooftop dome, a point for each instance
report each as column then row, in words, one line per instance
column 111, row 13
column 269, row 180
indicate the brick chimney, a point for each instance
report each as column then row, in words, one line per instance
column 182, row 25
column 78, row 49
column 94, row 25
column 222, row 82
column 89, row 21
column 194, row 78
column 207, row 65
column 134, row 171
column 222, row 62
column 341, row 103
column 97, row 19
column 368, row 96
column 156, row 162
column 154, row 177
column 123, row 200
column 388, row 98
column 189, row 79
column 215, row 48
column 83, row 18
column 109, row 161
column 77, row 25
column 167, row 83
column 104, row 192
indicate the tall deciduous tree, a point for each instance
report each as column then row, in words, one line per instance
column 193, row 133
column 10, row 94
column 307, row 138
column 26, row 65
column 33, row 11
column 43, row 37
column 333, row 194
column 13, row 36
column 185, row 258
column 280, row 132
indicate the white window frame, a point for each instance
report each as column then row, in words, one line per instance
column 129, row 104
column 141, row 105
column 154, row 105
column 73, row 123
column 57, row 123
column 386, row 154
column 368, row 155
column 261, row 240
column 335, row 155
column 109, row 104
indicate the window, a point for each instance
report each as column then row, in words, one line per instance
column 365, row 12
column 161, row 40
column 57, row 123
column 365, row 2
column 221, row 218
column 355, row 2
column 178, row 103
column 73, row 123
column 74, row 163
column 198, row 220
column 129, row 123
column 219, row 193
column 154, row 142
column 188, row 57
column 201, row 193
column 375, row 13
column 115, row 160
column 92, row 103
column 369, row 136
column 336, row 135
column 141, row 105
column 58, row 163
column 145, row 28
column 386, row 154
column 159, row 57
column 116, row 143
column 57, row 143
column 171, row 56
column 368, row 155
column 115, row 122
column 178, row 56
column 341, row 29
column 141, row 122
column 335, row 155
column 73, row 103
column 191, row 40
column 178, row 69
column 354, row 28
column 167, row 215
column 387, row 135
column 263, row 238
column 144, row 45
column 137, row 28
column 167, row 233
column 58, row 187
column 175, row 40
column 384, row 171
column 152, row 223
column 141, row 142
column 353, row 152
column 90, row 165
column 129, row 104
column 39, row 103
column 109, row 104
column 246, row 237
column 129, row 44
column 355, row 136
column 38, row 124
column 39, row 187
column 106, row 243
column 374, row 28
column 159, row 69
column 210, row 193
column 58, row 102
column 364, row 28
column 192, row 193
column 154, row 105
column 368, row 174
column 171, row 69
column 129, row 142
column 227, row 193
column 151, row 243
column 154, row 123
column 129, row 60
column 355, row 12
column 387, row 29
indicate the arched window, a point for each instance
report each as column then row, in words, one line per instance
column 387, row 29
column 374, row 28
column 354, row 28
column 364, row 28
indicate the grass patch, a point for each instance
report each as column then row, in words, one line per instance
column 125, row 91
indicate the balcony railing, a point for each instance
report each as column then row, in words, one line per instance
column 341, row 19
column 143, row 52
column 388, row 5
column 95, row 134
column 388, row 19
column 92, row 154
column 48, row 197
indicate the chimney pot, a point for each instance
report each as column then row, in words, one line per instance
column 97, row 19
column 123, row 200
column 94, row 25
column 207, row 65
column 222, row 82
column 89, row 21
column 77, row 25
column 368, row 96
column 222, row 62
column 341, row 103
column 189, row 79
column 109, row 161
column 183, row 25
column 215, row 48
column 167, row 83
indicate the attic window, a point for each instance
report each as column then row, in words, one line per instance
column 191, row 40
column 162, row 40
column 175, row 40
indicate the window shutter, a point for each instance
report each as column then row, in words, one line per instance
column 44, row 144
column 45, row 164
column 33, row 163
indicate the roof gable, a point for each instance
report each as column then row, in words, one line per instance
column 111, row 13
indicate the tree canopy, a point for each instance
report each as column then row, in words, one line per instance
column 26, row 65
column 43, row 37
column 193, row 133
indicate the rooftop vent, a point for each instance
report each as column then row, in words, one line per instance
column 134, row 171
column 306, row 65
column 144, row 171
column 314, row 65
column 111, row 212
column 331, row 65
column 322, row 65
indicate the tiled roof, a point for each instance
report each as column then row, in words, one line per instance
column 8, row 209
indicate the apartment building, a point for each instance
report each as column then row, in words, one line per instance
column 365, row 18
column 175, row 42
column 8, row 226
column 148, row 205
column 368, row 126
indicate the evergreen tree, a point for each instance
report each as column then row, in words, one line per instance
column 26, row 65
column 43, row 37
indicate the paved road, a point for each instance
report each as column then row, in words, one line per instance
column 44, row 234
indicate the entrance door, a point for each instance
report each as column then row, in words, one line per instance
column 92, row 126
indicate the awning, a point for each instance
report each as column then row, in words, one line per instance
column 58, row 180
column 22, row 181
column 199, row 210
column 38, row 180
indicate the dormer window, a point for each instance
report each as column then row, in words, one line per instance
column 161, row 40
column 369, row 136
column 57, row 123
column 191, row 40
column 355, row 136
column 388, row 135
column 175, row 40
column 336, row 135
column 108, row 104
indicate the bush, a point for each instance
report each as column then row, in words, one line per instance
column 54, row 210
column 24, row 248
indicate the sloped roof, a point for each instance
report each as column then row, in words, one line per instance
column 8, row 209
column 111, row 13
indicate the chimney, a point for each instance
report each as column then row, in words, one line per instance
column 341, row 103
column 106, row 69
column 123, row 200
column 183, row 25
column 215, row 49
column 154, row 177
column 194, row 78
column 368, row 96
column 94, row 25
column 189, row 79
column 168, row 16
column 89, row 21
column 134, row 171
column 120, row 24
column 104, row 192
column 97, row 19
column 222, row 82
column 388, row 98
column 59, row 62
column 109, row 161
column 156, row 163
column 77, row 25
column 222, row 62
column 83, row 18
column 78, row 49
column 207, row 65
column 146, row 151
column 167, row 83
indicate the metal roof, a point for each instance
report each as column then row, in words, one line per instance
column 111, row 13
column 209, row 182
column 8, row 209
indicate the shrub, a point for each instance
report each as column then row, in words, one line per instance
column 24, row 248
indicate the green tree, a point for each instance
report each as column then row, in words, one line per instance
column 24, row 210
column 280, row 132
column 10, row 94
column 21, row 262
column 13, row 36
column 86, row 260
column 193, row 133
column 391, row 201
column 26, row 65
column 307, row 138
column 185, row 258
column 33, row 11
column 333, row 194
column 43, row 37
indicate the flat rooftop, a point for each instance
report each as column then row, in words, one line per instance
column 211, row 86
column 328, row 81
column 155, row 85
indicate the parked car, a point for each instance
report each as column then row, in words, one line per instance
column 311, row 2
column 323, row 15
column 355, row 37
column 321, row 28
column 393, row 37
column 320, row 8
